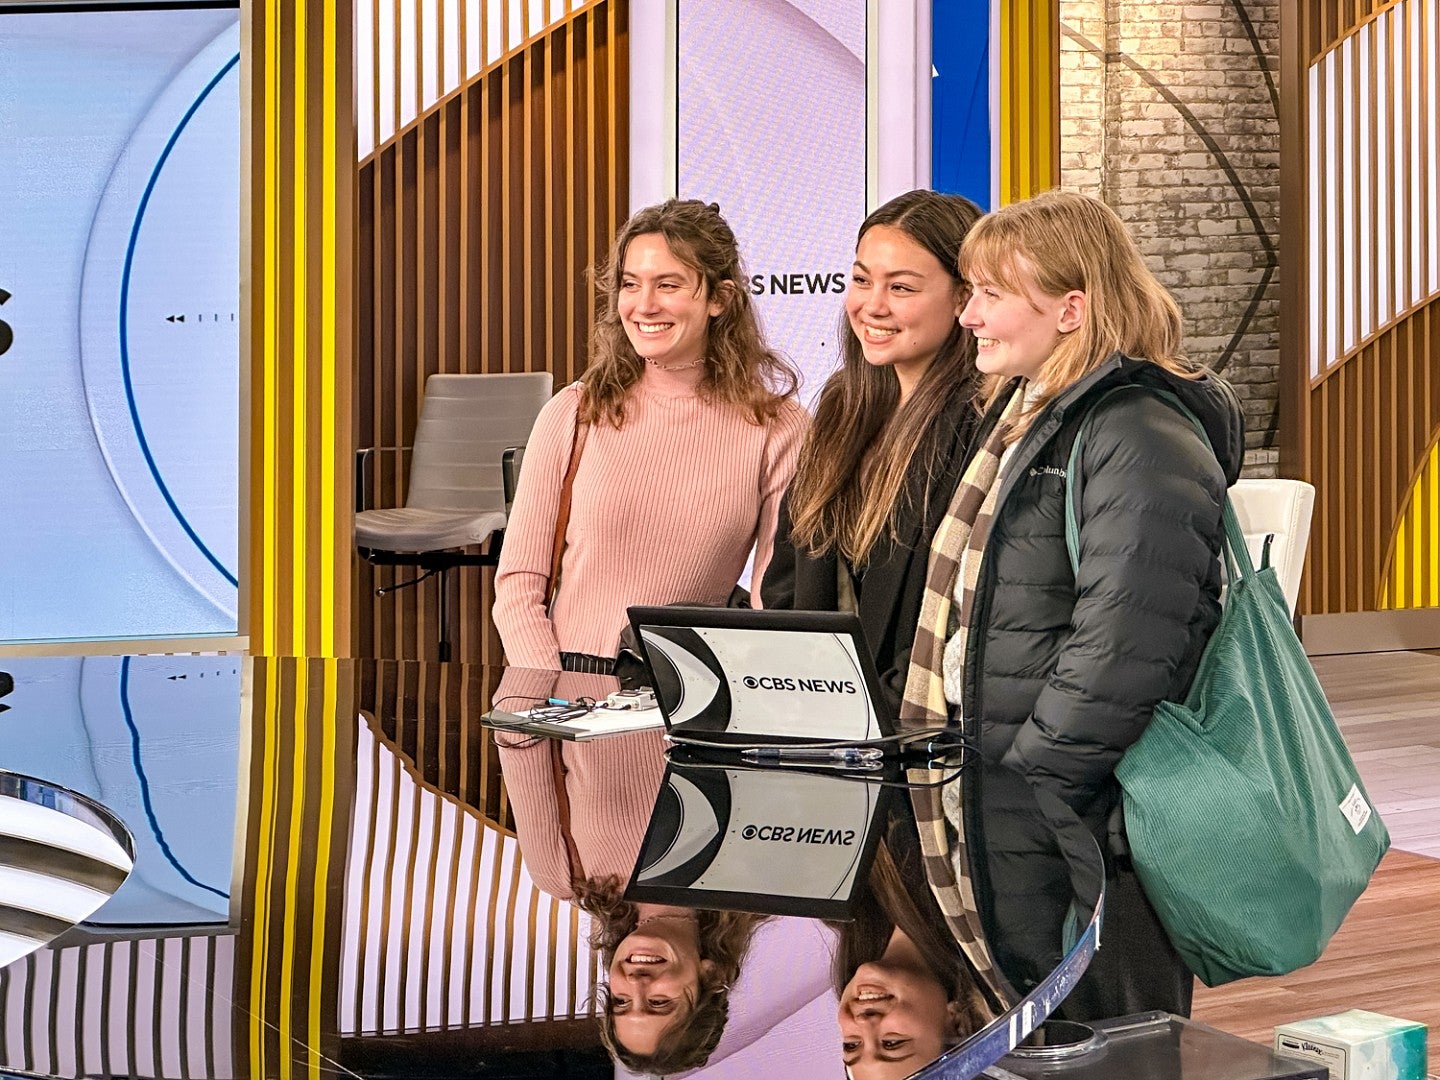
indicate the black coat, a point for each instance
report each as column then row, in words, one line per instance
column 893, row 584
column 1063, row 671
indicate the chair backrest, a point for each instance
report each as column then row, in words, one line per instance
column 1281, row 507
column 466, row 422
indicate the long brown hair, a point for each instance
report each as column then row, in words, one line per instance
column 740, row 369
column 892, row 904
column 850, row 483
column 724, row 939
column 1062, row 241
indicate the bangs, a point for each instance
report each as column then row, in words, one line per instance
column 993, row 255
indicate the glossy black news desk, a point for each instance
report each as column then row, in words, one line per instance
column 328, row 881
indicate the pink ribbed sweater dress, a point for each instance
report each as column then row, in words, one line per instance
column 664, row 510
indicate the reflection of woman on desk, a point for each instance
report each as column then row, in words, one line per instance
column 670, row 974
column 906, row 991
column 581, row 810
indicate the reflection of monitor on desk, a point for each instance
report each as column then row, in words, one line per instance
column 774, row 840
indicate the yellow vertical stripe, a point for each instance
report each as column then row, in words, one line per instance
column 329, row 491
column 1412, row 579
column 1433, row 496
column 285, row 983
column 329, row 723
column 267, row 482
column 1417, row 543
column 264, row 741
column 1029, row 98
column 299, row 362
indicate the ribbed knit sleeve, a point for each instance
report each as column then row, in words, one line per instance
column 664, row 510
column 782, row 451
column 524, row 571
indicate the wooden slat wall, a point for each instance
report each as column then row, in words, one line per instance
column 134, row 1006
column 478, row 222
column 298, row 202
column 1029, row 129
column 437, row 896
column 1360, row 332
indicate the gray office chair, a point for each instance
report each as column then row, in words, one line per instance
column 462, row 480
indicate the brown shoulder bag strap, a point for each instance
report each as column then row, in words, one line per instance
column 562, row 515
column 562, row 806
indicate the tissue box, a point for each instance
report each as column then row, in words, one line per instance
column 1358, row 1045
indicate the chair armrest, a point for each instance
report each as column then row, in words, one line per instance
column 363, row 481
column 510, row 473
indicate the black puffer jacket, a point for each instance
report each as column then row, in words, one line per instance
column 1063, row 671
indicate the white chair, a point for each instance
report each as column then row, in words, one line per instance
column 1279, row 509
column 462, row 471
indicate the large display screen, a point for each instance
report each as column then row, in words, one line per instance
column 119, row 346
column 771, row 125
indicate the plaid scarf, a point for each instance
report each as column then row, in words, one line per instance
column 966, row 526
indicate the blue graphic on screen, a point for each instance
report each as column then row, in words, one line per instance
column 960, row 99
column 119, row 364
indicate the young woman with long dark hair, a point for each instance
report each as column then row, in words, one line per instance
column 891, row 431
column 906, row 991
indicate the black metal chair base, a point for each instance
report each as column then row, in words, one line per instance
column 434, row 563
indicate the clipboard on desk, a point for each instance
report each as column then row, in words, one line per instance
column 566, row 705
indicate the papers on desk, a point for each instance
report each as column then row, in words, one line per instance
column 596, row 724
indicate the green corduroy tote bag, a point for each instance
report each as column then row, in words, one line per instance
column 1248, row 824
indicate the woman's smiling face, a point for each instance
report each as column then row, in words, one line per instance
column 655, row 980
column 894, row 1018
column 663, row 304
column 901, row 303
column 1017, row 329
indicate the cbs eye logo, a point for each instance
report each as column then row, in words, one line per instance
column 750, row 681
column 7, row 336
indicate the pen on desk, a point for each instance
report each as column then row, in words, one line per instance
column 847, row 755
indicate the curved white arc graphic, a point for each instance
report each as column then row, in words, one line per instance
column 699, row 824
column 43, row 825
column 697, row 682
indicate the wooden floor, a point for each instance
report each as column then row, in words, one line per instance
column 1386, row 958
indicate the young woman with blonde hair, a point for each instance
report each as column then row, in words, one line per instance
column 1055, row 673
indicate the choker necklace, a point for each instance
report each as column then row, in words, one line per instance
column 673, row 367
column 690, row 916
